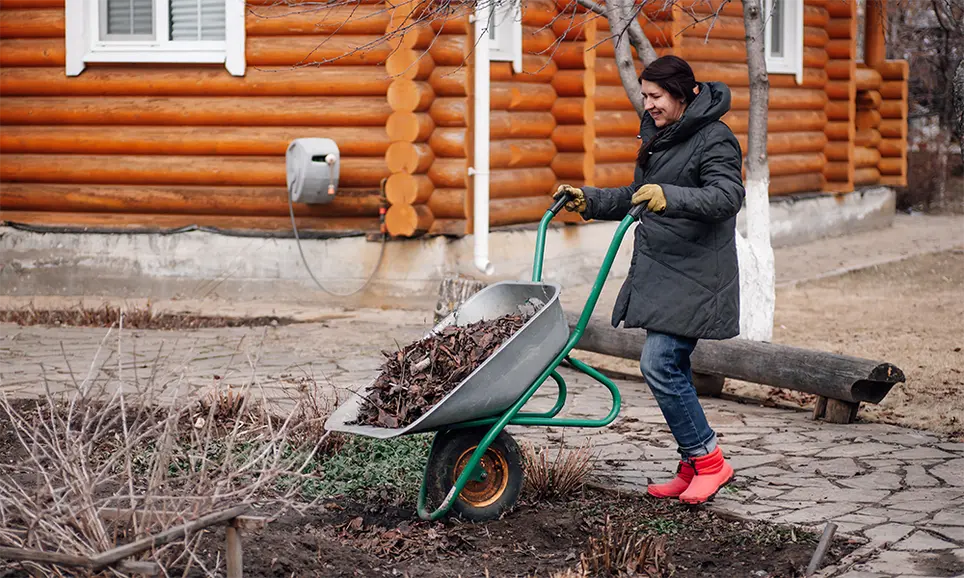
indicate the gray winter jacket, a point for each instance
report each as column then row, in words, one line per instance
column 684, row 277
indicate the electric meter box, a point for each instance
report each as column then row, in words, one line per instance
column 312, row 170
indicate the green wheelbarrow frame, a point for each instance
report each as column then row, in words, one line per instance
column 514, row 415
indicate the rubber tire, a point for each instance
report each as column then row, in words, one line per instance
column 448, row 446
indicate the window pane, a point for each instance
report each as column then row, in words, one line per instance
column 197, row 19
column 130, row 17
column 777, row 17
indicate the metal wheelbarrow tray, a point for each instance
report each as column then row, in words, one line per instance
column 501, row 379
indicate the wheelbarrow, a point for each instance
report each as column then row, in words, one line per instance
column 474, row 467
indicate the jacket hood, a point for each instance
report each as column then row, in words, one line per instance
column 709, row 106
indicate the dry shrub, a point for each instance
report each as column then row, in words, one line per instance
column 556, row 477
column 109, row 444
column 623, row 551
column 133, row 318
column 569, row 573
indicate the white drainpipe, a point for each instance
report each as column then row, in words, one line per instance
column 480, row 172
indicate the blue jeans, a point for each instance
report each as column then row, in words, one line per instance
column 665, row 363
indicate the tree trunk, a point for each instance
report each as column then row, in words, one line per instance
column 618, row 15
column 757, row 294
column 959, row 104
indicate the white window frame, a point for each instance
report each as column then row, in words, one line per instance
column 506, row 46
column 84, row 45
column 792, row 60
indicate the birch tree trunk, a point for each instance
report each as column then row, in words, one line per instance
column 959, row 104
column 757, row 292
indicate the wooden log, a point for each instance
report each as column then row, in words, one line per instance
column 608, row 74
column 868, row 99
column 408, row 220
column 835, row 411
column 518, row 96
column 410, row 64
column 308, row 227
column 409, row 95
column 615, row 150
column 613, row 175
column 449, row 227
column 838, row 89
column 39, row 23
column 32, row 52
column 893, row 69
column 889, row 89
column 840, row 151
column 504, row 212
column 448, row 203
column 569, row 166
column 892, row 128
column 891, row 147
column 572, row 55
column 412, row 158
column 893, row 109
column 573, row 138
column 814, row 57
column 538, row 68
column 505, row 124
column 612, row 123
column 538, row 13
column 26, row 554
column 816, row 16
column 782, row 143
column 30, row 4
column 842, row 28
column 841, row 69
column 449, row 111
column 185, row 140
column 790, row 184
column 659, row 33
column 452, row 24
column 449, row 80
column 865, row 157
column 893, row 180
column 796, row 164
column 780, row 120
column 868, row 79
column 689, row 8
column 342, row 50
column 318, row 19
column 570, row 26
column 867, row 137
column 892, row 166
column 574, row 83
column 573, row 110
column 450, row 50
column 841, row 48
column 722, row 27
column 864, row 176
column 837, row 131
column 836, row 376
column 409, row 126
column 449, row 173
column 838, row 172
column 521, row 153
column 815, row 36
column 611, row 98
column 867, row 119
column 176, row 170
column 733, row 74
column 190, row 200
column 875, row 49
column 717, row 51
column 216, row 111
column 406, row 189
column 782, row 99
column 513, row 183
column 127, row 81
column 839, row 110
column 537, row 40
column 842, row 9
column 449, row 142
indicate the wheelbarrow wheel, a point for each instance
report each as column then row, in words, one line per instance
column 493, row 491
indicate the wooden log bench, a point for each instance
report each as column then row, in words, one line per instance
column 841, row 383
column 117, row 558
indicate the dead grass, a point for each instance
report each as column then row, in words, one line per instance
column 559, row 476
column 133, row 318
column 624, row 551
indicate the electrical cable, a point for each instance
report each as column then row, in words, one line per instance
column 378, row 264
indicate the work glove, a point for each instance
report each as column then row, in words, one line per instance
column 578, row 201
column 653, row 196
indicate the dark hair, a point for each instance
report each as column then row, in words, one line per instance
column 674, row 75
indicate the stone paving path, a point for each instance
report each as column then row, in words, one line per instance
column 901, row 490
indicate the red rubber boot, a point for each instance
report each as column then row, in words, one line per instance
column 712, row 473
column 676, row 486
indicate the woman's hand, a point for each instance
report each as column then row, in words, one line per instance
column 578, row 201
column 652, row 195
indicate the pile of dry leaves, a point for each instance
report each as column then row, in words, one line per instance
column 416, row 378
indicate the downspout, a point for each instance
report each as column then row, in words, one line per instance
column 480, row 172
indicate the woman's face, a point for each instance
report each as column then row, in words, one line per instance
column 660, row 105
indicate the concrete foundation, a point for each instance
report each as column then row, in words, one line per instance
column 200, row 265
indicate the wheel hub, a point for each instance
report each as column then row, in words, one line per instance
column 492, row 479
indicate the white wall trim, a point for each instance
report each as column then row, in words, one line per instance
column 76, row 40
column 234, row 37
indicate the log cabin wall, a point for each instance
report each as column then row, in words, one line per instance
column 164, row 146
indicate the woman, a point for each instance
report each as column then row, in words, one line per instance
column 683, row 283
